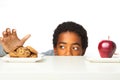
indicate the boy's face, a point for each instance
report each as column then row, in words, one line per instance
column 69, row 44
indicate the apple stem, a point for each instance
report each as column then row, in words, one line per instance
column 108, row 37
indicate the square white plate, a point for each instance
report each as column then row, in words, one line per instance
column 7, row 58
column 103, row 60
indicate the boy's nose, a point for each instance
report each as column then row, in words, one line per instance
column 68, row 52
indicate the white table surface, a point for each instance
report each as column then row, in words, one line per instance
column 60, row 68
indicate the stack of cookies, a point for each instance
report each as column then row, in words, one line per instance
column 24, row 52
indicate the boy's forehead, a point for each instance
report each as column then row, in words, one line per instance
column 66, row 43
column 70, row 37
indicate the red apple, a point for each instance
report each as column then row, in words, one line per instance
column 106, row 48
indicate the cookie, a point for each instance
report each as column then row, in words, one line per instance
column 23, row 52
column 33, row 55
column 13, row 54
column 32, row 50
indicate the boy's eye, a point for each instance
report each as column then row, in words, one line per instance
column 62, row 47
column 75, row 48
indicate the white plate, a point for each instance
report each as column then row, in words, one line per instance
column 20, row 60
column 104, row 60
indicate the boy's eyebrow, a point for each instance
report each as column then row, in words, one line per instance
column 72, row 43
column 62, row 43
column 76, row 44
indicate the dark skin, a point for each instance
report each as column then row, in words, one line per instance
column 10, row 40
column 69, row 44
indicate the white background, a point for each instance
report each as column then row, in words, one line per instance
column 40, row 17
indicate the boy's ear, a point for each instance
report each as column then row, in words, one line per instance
column 83, row 52
column 55, row 51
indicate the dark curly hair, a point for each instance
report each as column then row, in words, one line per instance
column 72, row 27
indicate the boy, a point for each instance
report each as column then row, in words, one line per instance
column 69, row 39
